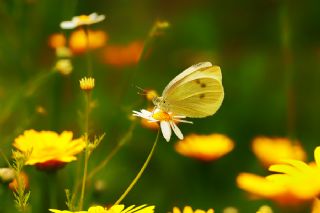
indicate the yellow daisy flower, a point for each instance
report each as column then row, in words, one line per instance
column 188, row 209
column 87, row 84
column 82, row 20
column 272, row 150
column 204, row 147
column 261, row 187
column 302, row 179
column 48, row 148
column 112, row 209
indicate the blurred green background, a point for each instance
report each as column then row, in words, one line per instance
column 268, row 51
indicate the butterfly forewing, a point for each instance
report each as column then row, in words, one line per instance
column 177, row 80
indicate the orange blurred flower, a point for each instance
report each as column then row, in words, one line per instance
column 261, row 187
column 49, row 150
column 13, row 185
column 57, row 40
column 78, row 40
column 122, row 56
column 150, row 94
column 272, row 150
column 205, row 147
column 150, row 125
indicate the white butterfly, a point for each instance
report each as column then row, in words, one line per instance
column 196, row 92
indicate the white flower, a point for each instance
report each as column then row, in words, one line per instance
column 167, row 121
column 82, row 20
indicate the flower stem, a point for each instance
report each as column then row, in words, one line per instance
column 123, row 141
column 87, row 154
column 52, row 179
column 89, row 61
column 140, row 172
column 84, row 179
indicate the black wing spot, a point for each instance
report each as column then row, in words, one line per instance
column 203, row 85
column 198, row 81
column 201, row 96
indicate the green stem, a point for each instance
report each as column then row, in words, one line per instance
column 123, row 141
column 88, row 100
column 140, row 172
column 52, row 177
column 87, row 151
column 5, row 158
column 84, row 179
column 89, row 61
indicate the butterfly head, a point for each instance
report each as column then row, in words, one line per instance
column 161, row 103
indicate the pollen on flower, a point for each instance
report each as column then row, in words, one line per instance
column 162, row 116
column 87, row 84
column 83, row 18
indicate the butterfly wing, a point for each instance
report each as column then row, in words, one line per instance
column 174, row 82
column 197, row 94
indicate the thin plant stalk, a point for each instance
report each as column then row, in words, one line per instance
column 134, row 181
column 88, row 55
column 103, row 163
column 52, row 177
column 87, row 154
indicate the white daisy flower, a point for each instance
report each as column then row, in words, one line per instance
column 167, row 121
column 82, row 20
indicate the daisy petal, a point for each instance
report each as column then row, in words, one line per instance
column 68, row 25
column 176, row 130
column 317, row 156
column 166, row 130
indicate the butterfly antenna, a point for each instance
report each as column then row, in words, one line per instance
column 141, row 91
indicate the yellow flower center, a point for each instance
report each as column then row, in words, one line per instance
column 84, row 18
column 162, row 116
